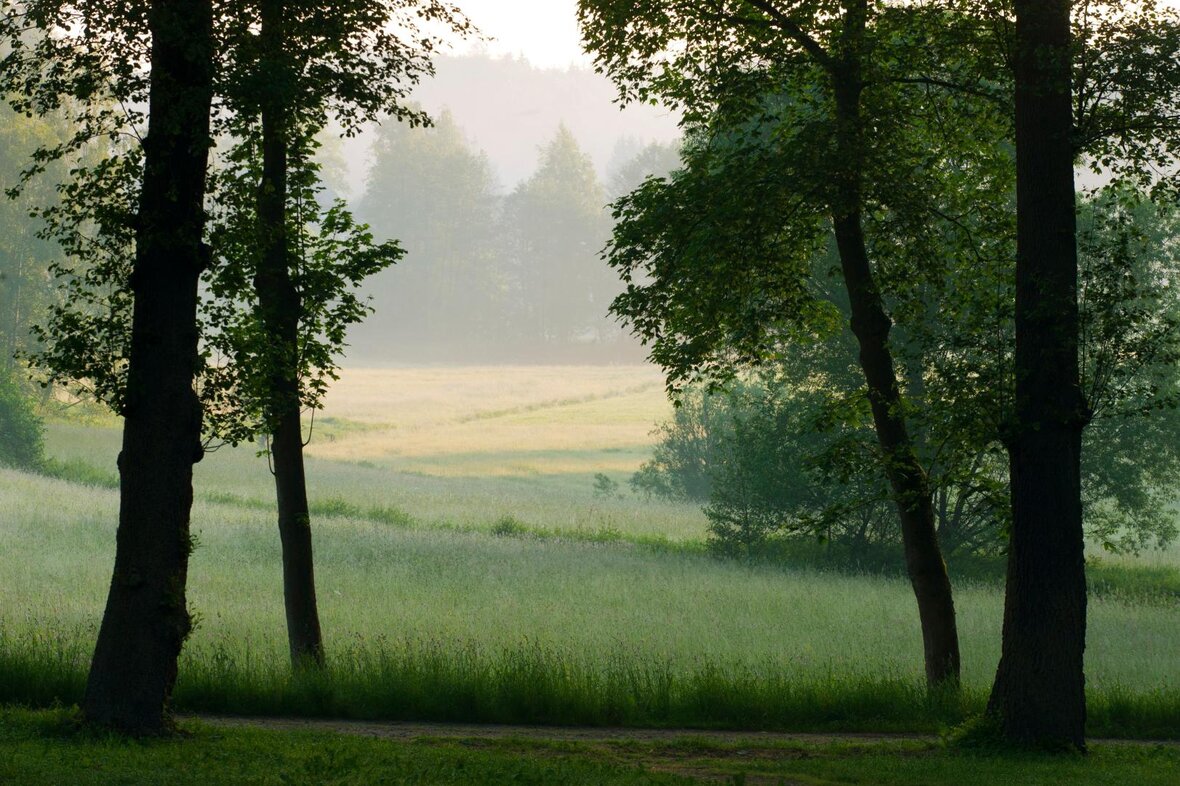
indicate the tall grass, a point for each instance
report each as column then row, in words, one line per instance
column 523, row 597
column 450, row 625
column 424, row 680
column 541, row 494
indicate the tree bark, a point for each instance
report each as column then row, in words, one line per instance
column 280, row 306
column 907, row 479
column 1039, row 693
column 871, row 326
column 146, row 619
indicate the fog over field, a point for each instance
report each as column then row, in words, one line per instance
column 503, row 209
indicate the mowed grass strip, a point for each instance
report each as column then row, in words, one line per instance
column 450, row 625
column 47, row 748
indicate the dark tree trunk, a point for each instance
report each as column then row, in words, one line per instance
column 146, row 618
column 871, row 326
column 1039, row 693
column 907, row 479
column 280, row 306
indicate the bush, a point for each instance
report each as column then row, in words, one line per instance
column 21, row 432
column 509, row 527
column 785, row 457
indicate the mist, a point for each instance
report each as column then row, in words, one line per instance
column 503, row 209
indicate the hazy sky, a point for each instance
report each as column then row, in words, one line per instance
column 544, row 31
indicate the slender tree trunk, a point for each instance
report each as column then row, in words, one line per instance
column 281, row 306
column 146, row 619
column 871, row 326
column 907, row 479
column 1039, row 693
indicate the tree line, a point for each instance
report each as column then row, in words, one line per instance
column 490, row 276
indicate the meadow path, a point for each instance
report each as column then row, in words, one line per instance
column 404, row 731
column 408, row 731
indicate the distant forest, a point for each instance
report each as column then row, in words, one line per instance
column 488, row 275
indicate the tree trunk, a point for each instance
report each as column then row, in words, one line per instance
column 280, row 306
column 871, row 326
column 907, row 479
column 146, row 619
column 1039, row 693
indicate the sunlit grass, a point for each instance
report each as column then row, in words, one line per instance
column 513, row 487
column 408, row 397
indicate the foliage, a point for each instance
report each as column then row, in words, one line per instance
column 1130, row 307
column 605, row 487
column 357, row 60
column 724, row 258
column 687, row 450
column 332, row 256
column 630, row 166
column 485, row 275
column 427, row 188
column 558, row 224
column 26, row 288
column 21, row 443
column 791, row 451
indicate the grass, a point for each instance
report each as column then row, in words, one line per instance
column 40, row 747
column 451, row 625
column 524, row 597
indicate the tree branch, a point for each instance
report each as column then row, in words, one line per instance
column 789, row 26
column 933, row 81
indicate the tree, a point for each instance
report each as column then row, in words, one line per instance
column 632, row 164
column 146, row 619
column 93, row 341
column 927, row 64
column 1039, row 693
column 280, row 311
column 308, row 61
column 1097, row 87
column 21, row 431
column 26, row 286
column 53, row 58
column 430, row 190
column 558, row 223
column 267, row 365
column 789, row 451
column 840, row 75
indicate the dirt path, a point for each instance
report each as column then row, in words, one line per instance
column 588, row 734
column 706, row 757
column 413, row 731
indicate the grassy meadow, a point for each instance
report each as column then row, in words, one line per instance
column 468, row 570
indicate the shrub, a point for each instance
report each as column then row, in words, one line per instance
column 509, row 527
column 21, row 432
column 788, row 456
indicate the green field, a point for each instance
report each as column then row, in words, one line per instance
column 468, row 571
